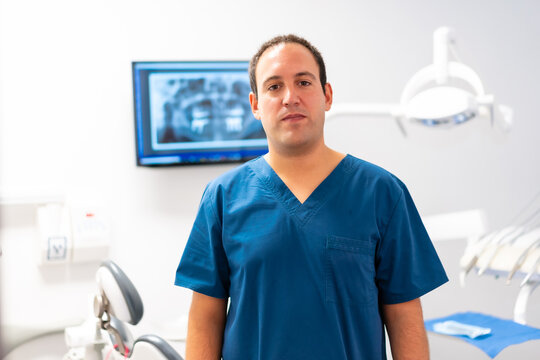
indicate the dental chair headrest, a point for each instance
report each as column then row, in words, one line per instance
column 124, row 302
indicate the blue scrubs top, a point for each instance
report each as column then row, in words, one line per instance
column 306, row 281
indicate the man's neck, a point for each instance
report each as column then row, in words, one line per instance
column 320, row 160
column 302, row 173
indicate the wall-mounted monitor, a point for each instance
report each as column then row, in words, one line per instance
column 194, row 113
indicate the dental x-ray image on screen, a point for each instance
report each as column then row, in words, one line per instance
column 194, row 112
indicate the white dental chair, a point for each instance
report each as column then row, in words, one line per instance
column 116, row 303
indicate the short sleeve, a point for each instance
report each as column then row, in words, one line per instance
column 406, row 262
column 203, row 267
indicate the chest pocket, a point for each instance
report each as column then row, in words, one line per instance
column 350, row 271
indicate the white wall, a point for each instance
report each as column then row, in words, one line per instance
column 66, row 126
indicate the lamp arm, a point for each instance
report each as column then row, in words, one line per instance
column 344, row 109
column 443, row 38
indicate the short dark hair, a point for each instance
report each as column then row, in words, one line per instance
column 280, row 39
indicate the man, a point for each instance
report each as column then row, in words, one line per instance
column 317, row 250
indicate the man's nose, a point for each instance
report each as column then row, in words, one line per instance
column 290, row 96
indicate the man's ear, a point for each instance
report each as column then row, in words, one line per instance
column 254, row 105
column 329, row 96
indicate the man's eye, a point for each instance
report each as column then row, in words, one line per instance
column 273, row 87
column 305, row 83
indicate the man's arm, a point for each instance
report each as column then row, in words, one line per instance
column 405, row 325
column 206, row 324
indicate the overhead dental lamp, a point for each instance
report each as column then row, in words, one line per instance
column 443, row 94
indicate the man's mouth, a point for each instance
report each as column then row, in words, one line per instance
column 293, row 117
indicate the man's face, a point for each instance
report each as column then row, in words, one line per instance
column 291, row 102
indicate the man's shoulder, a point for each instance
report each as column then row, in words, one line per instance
column 364, row 168
column 239, row 176
column 367, row 175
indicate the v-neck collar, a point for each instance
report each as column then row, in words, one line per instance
column 303, row 211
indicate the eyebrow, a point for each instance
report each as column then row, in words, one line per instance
column 305, row 73
column 300, row 74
